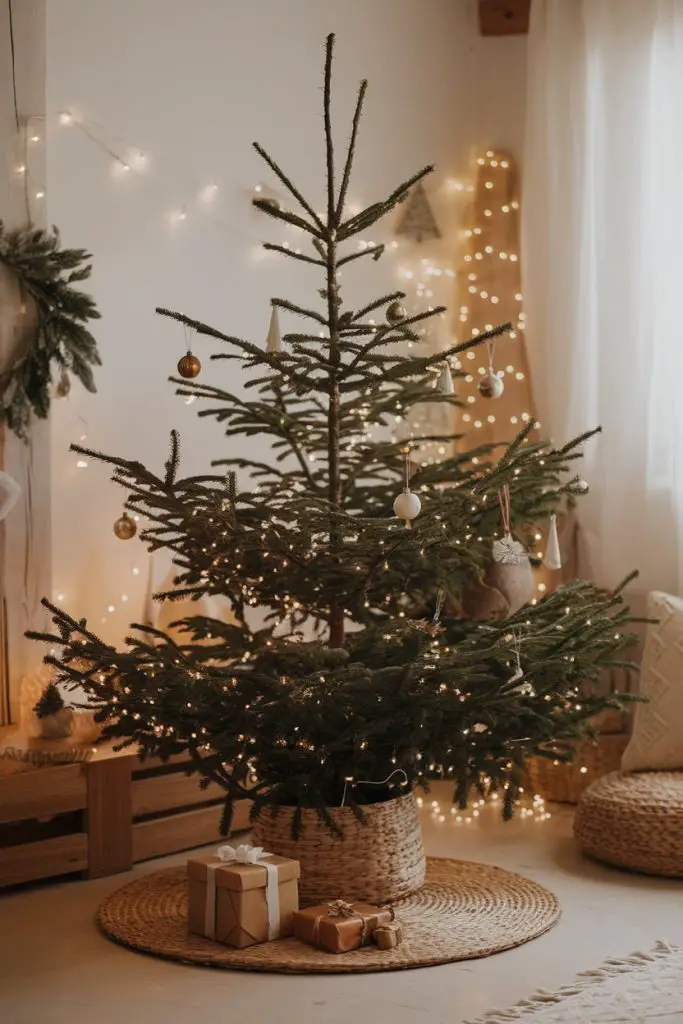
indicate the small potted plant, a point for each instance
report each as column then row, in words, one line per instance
column 56, row 720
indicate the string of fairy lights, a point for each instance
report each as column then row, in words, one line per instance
column 128, row 160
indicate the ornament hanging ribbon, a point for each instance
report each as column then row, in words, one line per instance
column 491, row 350
column 243, row 854
column 508, row 551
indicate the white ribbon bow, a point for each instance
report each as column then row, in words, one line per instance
column 245, row 853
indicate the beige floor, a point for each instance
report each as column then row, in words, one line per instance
column 55, row 968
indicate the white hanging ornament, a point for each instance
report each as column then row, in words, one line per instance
column 274, row 339
column 490, row 385
column 407, row 506
column 445, row 381
column 581, row 487
column 552, row 559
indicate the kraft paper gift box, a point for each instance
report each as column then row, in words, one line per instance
column 240, row 903
column 340, row 927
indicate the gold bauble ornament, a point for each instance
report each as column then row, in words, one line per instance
column 189, row 366
column 395, row 312
column 63, row 385
column 125, row 528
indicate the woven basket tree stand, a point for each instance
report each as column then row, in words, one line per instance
column 377, row 861
column 563, row 782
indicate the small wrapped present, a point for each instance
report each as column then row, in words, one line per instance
column 242, row 895
column 388, row 936
column 340, row 926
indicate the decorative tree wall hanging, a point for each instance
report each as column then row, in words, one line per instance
column 418, row 222
column 46, row 274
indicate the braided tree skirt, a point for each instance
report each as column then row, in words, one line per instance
column 634, row 821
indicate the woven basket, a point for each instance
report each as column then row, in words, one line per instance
column 563, row 782
column 375, row 862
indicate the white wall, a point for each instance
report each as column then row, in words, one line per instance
column 193, row 84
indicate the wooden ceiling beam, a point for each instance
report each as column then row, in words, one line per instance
column 504, row 17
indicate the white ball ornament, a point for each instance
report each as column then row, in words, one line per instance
column 407, row 505
column 490, row 385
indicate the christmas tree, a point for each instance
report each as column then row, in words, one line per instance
column 350, row 654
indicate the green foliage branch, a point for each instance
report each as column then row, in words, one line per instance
column 47, row 274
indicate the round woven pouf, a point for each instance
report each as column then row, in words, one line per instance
column 463, row 911
column 634, row 821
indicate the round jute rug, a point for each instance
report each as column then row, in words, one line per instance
column 463, row 911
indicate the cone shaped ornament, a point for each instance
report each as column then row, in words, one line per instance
column 445, row 382
column 552, row 558
column 274, row 339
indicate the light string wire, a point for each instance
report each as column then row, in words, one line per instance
column 349, row 781
column 204, row 192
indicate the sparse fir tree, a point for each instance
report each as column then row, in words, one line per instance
column 50, row 702
column 351, row 653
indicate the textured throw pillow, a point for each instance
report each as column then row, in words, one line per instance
column 657, row 740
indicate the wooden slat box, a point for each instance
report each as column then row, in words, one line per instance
column 42, row 823
column 101, row 816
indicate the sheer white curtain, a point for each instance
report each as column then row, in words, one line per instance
column 603, row 268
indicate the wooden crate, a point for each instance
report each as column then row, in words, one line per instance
column 42, row 823
column 101, row 816
column 171, row 813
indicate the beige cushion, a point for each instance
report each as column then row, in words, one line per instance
column 657, row 740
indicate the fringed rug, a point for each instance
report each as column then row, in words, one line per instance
column 463, row 911
column 645, row 987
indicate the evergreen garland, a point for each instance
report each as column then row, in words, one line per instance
column 47, row 273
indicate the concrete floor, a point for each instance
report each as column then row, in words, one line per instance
column 55, row 967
